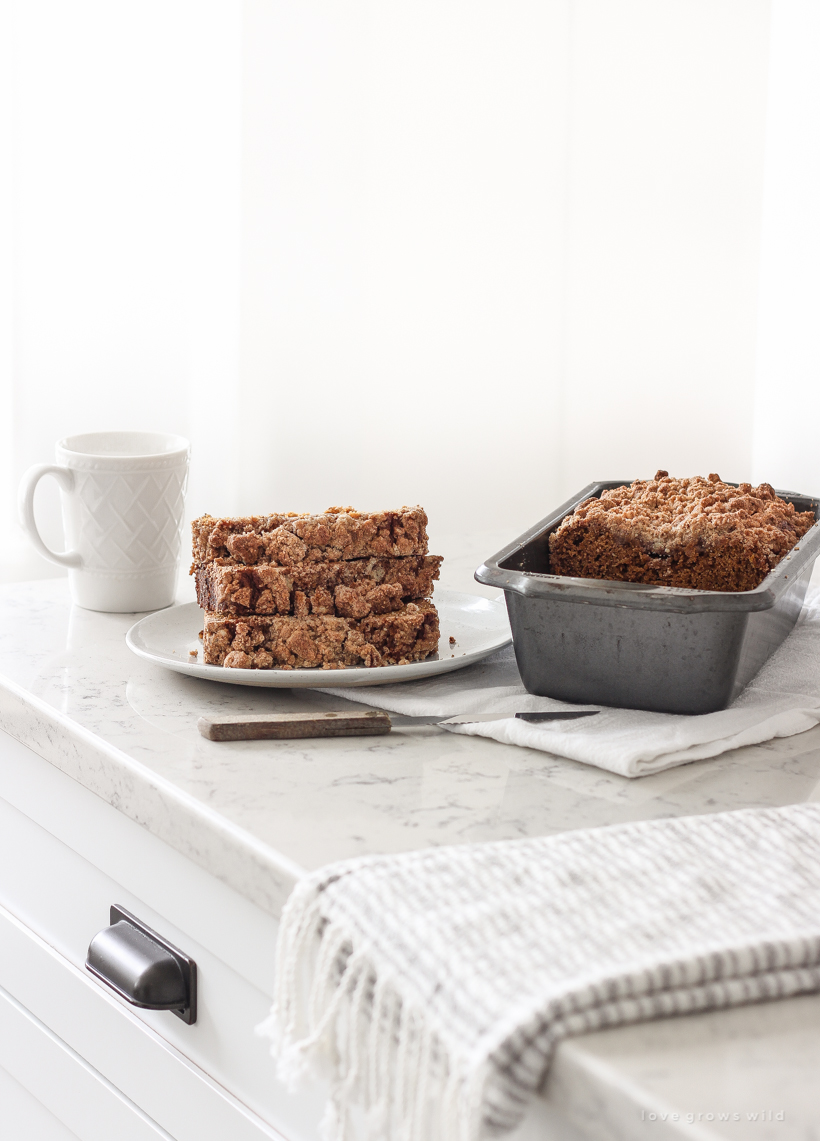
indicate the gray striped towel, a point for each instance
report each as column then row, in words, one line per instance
column 434, row 985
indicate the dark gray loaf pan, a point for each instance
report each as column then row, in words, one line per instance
column 599, row 642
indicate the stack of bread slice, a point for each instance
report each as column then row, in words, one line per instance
column 343, row 588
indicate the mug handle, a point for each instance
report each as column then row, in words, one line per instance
column 65, row 478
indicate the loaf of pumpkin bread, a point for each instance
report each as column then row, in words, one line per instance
column 289, row 642
column 338, row 534
column 694, row 533
column 290, row 591
column 351, row 589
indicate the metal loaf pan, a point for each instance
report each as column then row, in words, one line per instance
column 599, row 642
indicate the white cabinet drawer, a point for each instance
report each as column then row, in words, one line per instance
column 115, row 1045
column 23, row 1116
column 49, row 1093
column 65, row 857
column 212, row 1079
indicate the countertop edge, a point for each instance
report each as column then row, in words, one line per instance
column 250, row 867
column 606, row 1105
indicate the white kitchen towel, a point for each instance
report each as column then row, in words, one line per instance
column 431, row 987
column 783, row 699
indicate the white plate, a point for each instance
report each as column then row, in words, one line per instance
column 478, row 625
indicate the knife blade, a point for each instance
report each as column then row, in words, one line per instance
column 536, row 718
column 290, row 726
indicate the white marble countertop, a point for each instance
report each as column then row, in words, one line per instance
column 257, row 814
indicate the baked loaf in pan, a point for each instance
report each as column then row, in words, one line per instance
column 340, row 533
column 696, row 533
column 351, row 589
column 267, row 642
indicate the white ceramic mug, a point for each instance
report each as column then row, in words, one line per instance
column 122, row 497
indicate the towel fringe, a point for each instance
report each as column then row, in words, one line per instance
column 334, row 1014
column 431, row 988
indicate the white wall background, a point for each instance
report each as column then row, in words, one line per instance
column 787, row 398
column 458, row 252
column 510, row 248
column 125, row 176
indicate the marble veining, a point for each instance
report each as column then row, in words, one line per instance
column 258, row 814
column 745, row 1073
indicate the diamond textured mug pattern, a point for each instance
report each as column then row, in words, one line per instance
column 128, row 522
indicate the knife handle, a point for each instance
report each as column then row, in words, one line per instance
column 288, row 726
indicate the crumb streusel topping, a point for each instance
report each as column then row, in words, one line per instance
column 682, row 532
